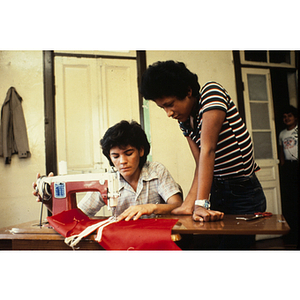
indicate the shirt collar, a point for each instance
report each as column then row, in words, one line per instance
column 147, row 174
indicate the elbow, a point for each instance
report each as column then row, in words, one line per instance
column 208, row 152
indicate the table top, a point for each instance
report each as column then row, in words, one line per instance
column 275, row 224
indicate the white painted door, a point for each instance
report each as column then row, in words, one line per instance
column 91, row 95
column 261, row 125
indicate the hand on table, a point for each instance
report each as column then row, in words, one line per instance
column 136, row 211
column 201, row 214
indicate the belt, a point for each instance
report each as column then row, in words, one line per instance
column 234, row 179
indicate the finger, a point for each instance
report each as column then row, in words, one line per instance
column 138, row 215
column 130, row 216
column 120, row 217
column 207, row 218
column 197, row 218
column 127, row 214
column 38, row 199
column 218, row 215
column 123, row 215
column 214, row 216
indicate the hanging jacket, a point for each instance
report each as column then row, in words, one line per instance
column 13, row 132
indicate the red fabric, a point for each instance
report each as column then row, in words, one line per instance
column 142, row 234
column 70, row 222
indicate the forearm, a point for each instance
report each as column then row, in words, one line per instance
column 205, row 173
column 163, row 209
column 192, row 194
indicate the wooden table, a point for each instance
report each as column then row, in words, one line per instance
column 30, row 236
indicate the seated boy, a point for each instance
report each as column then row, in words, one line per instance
column 146, row 188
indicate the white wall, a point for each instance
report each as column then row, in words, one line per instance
column 24, row 71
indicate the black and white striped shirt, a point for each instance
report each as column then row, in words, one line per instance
column 234, row 153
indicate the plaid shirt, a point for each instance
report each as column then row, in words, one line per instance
column 155, row 185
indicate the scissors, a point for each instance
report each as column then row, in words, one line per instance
column 263, row 214
column 256, row 216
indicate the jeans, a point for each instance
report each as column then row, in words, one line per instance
column 237, row 196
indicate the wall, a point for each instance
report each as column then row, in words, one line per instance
column 24, row 71
column 169, row 146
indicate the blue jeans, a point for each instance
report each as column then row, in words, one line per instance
column 234, row 196
column 237, row 196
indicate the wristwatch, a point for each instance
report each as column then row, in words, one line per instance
column 204, row 203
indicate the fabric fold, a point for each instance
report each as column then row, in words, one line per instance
column 142, row 234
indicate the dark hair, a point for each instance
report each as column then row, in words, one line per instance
column 290, row 109
column 123, row 134
column 169, row 78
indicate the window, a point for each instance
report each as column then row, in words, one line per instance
column 268, row 58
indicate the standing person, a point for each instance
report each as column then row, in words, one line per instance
column 224, row 179
column 146, row 188
column 288, row 156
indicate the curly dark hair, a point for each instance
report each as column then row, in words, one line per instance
column 290, row 109
column 122, row 135
column 169, row 78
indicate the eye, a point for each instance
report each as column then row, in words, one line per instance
column 169, row 104
column 129, row 153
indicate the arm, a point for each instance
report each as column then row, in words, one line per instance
column 211, row 127
column 188, row 205
column 136, row 211
column 205, row 160
column 91, row 203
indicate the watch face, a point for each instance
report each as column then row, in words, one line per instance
column 207, row 204
column 203, row 203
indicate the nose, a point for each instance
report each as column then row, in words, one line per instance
column 123, row 159
column 169, row 112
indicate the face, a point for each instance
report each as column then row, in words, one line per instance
column 126, row 160
column 289, row 120
column 175, row 108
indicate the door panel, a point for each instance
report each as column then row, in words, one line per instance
column 91, row 96
column 261, row 125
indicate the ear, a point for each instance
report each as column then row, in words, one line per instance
column 142, row 151
column 190, row 92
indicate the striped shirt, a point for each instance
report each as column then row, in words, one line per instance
column 234, row 153
column 155, row 185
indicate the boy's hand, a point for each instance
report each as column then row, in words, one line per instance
column 136, row 211
column 201, row 214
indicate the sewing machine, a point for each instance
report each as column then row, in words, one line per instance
column 63, row 189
